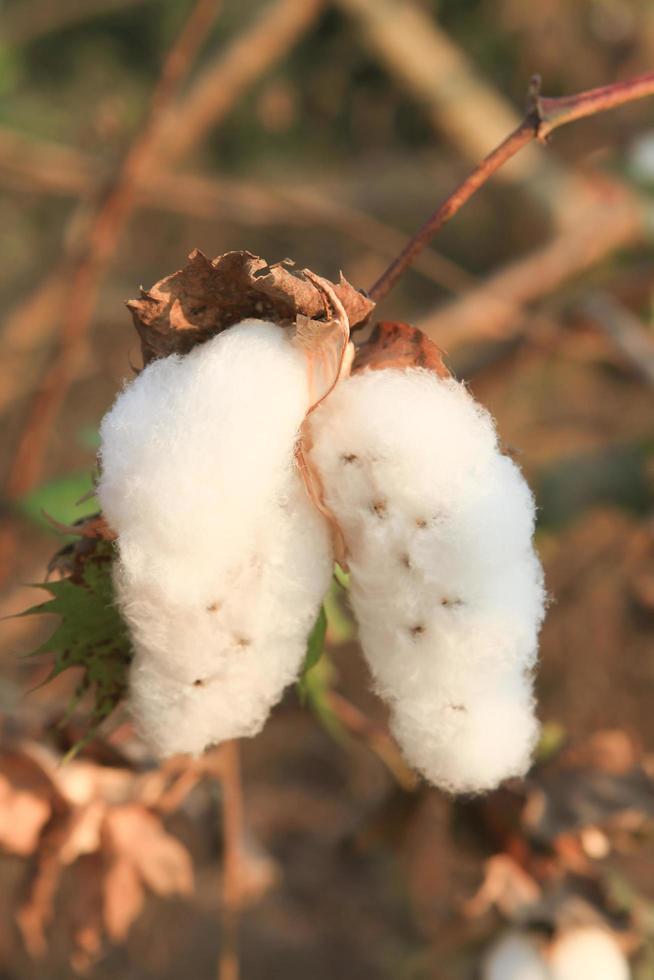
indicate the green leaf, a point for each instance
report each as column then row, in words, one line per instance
column 91, row 634
column 317, row 677
column 58, row 499
column 552, row 739
column 315, row 649
column 88, row 437
column 341, row 627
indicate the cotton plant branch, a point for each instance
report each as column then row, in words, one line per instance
column 57, row 169
column 209, row 99
column 624, row 329
column 544, row 115
column 458, row 101
column 222, row 83
column 105, row 228
column 232, row 828
column 495, row 308
column 376, row 736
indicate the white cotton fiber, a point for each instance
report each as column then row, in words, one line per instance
column 223, row 559
column 445, row 584
column 584, row 953
column 516, row 956
column 588, row 952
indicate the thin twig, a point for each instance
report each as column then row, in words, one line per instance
column 459, row 102
column 224, row 80
column 624, row 329
column 232, row 820
column 375, row 736
column 558, row 112
column 209, row 99
column 519, row 138
column 544, row 115
column 58, row 169
column 494, row 310
column 103, row 235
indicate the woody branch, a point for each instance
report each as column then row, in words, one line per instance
column 543, row 116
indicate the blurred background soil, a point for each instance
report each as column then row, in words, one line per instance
column 327, row 132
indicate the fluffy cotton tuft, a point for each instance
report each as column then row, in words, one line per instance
column 223, row 559
column 585, row 953
column 445, row 584
column 516, row 956
column 588, row 952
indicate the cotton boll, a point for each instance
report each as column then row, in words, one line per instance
column 588, row 952
column 444, row 582
column 223, row 559
column 516, row 956
column 469, row 735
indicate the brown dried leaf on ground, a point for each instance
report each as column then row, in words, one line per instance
column 162, row 862
column 399, row 345
column 28, row 798
column 506, row 885
column 123, row 898
column 87, row 832
column 207, row 296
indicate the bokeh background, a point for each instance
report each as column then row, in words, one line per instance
column 327, row 132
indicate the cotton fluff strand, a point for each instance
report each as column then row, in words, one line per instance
column 445, row 585
column 223, row 560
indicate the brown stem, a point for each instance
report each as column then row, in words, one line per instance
column 558, row 112
column 375, row 736
column 228, row 966
column 543, row 117
column 508, row 148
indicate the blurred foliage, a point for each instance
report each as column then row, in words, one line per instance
column 91, row 636
column 60, row 499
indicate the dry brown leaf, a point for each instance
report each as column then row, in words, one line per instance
column 23, row 814
column 123, row 898
column 88, row 527
column 81, row 782
column 399, row 345
column 137, row 835
column 207, row 296
column 84, row 834
column 507, row 886
column 36, row 912
column 83, row 907
column 325, row 345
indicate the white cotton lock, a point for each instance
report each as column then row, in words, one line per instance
column 445, row 585
column 515, row 956
column 583, row 953
column 223, row 559
column 588, row 952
